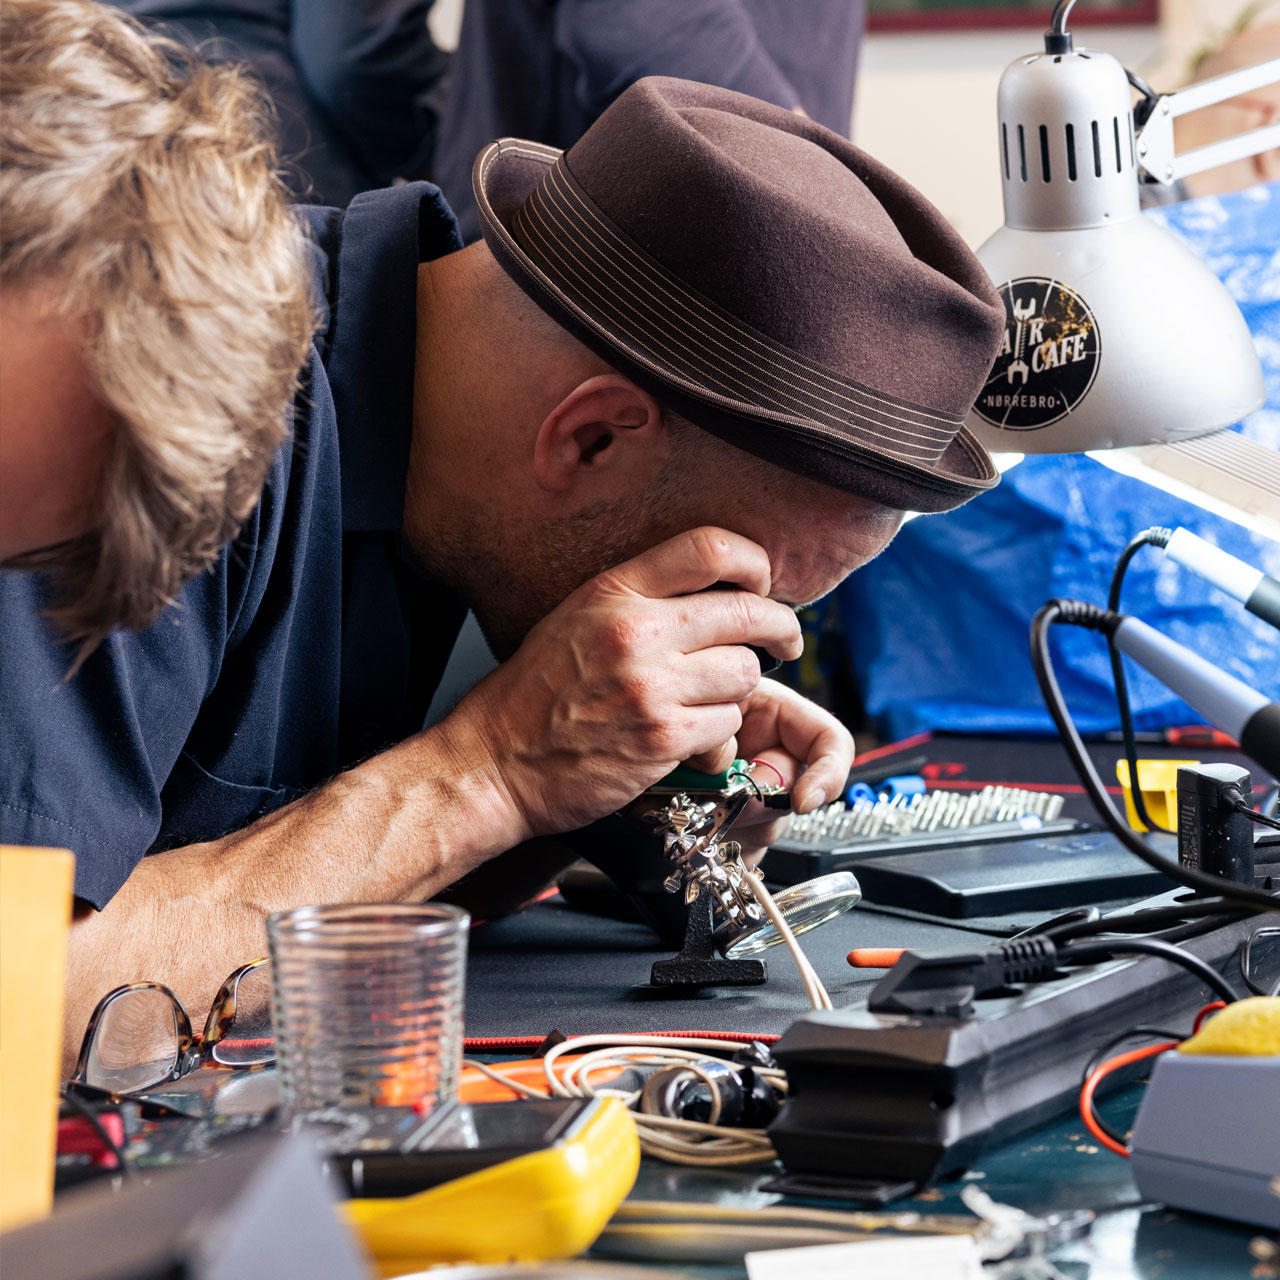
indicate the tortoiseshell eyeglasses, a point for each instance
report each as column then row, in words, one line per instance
column 140, row 1035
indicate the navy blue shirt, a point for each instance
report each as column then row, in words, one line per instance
column 314, row 640
column 545, row 69
column 353, row 82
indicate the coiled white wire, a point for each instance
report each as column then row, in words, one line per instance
column 677, row 1141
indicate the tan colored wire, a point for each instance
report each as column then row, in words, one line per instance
column 816, row 992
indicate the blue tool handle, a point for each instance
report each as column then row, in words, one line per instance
column 906, row 785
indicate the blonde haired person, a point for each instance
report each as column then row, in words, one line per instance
column 488, row 428
column 154, row 311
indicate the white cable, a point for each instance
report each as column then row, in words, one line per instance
column 812, row 983
column 516, row 1086
column 686, row 1142
column 677, row 1141
column 816, row 992
column 577, row 1043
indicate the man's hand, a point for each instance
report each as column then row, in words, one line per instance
column 639, row 669
column 797, row 743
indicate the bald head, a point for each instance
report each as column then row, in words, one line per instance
column 535, row 465
column 505, row 342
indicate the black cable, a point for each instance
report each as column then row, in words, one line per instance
column 1057, row 40
column 1197, row 928
column 1073, row 611
column 1156, row 536
column 1254, row 816
column 1099, row 1056
column 1153, row 920
column 1246, row 962
column 1142, row 110
column 1091, row 952
column 86, row 1112
column 1141, row 85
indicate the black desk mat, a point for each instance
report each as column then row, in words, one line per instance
column 553, row 968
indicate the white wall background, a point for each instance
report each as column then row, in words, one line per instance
column 926, row 102
column 926, row 107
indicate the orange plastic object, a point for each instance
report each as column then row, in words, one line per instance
column 875, row 957
column 475, row 1086
column 35, row 911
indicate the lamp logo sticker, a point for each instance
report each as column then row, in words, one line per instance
column 1047, row 360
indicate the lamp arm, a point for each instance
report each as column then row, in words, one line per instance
column 1156, row 154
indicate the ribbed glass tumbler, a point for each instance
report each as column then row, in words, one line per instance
column 367, row 1005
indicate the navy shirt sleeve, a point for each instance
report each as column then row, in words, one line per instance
column 545, row 69
column 351, row 80
column 613, row 44
column 370, row 66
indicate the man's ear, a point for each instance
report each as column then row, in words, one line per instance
column 604, row 426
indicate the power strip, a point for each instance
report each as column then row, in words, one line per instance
column 899, row 1101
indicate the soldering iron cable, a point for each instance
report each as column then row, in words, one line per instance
column 1212, row 692
column 1256, row 590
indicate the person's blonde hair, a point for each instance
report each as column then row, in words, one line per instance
column 142, row 183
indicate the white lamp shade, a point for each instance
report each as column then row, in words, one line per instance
column 1132, row 341
column 1116, row 333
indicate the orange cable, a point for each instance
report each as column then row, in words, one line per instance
column 1205, row 1012
column 1095, row 1078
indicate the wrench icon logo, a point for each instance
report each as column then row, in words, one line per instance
column 1022, row 313
column 1048, row 358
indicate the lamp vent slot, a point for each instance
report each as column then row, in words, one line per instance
column 1022, row 152
column 1004, row 147
column 1115, row 128
column 1044, row 152
column 1071, row 152
column 1097, row 150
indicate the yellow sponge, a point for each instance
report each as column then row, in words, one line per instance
column 1248, row 1028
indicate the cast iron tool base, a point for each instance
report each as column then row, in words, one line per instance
column 698, row 965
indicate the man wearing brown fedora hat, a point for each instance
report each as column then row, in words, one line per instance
column 713, row 345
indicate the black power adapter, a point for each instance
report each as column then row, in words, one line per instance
column 1214, row 832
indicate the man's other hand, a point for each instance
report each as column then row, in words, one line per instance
column 797, row 744
column 639, row 669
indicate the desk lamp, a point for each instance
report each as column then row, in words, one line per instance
column 1116, row 333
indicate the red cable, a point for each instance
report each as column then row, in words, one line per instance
column 1098, row 1074
column 1205, row 1012
column 499, row 1044
column 782, row 782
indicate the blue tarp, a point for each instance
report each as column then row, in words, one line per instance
column 937, row 626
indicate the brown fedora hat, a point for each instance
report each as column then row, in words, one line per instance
column 764, row 278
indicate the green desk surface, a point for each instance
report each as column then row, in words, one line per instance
column 1055, row 1168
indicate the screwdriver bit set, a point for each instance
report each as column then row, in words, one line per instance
column 927, row 811
column 842, row 835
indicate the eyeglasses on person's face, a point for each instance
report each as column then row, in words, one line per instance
column 140, row 1035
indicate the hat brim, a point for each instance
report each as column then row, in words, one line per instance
column 508, row 171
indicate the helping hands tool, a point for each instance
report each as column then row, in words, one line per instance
column 727, row 909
